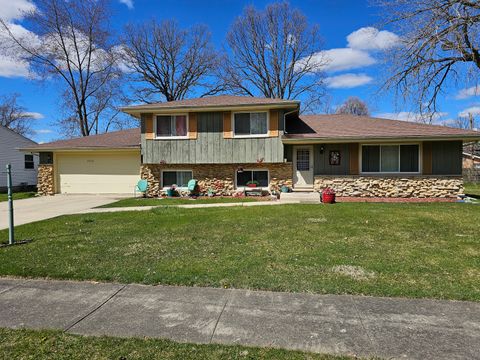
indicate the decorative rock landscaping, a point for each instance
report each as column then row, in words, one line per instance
column 400, row 187
column 46, row 180
column 219, row 178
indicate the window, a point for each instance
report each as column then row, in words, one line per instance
column 29, row 164
column 248, row 124
column 171, row 125
column 259, row 177
column 179, row 178
column 390, row 158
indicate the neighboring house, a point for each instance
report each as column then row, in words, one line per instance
column 227, row 141
column 471, row 161
column 24, row 165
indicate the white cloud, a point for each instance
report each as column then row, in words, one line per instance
column 370, row 38
column 129, row 3
column 43, row 131
column 468, row 92
column 474, row 110
column 412, row 116
column 11, row 67
column 35, row 115
column 14, row 9
column 344, row 59
column 347, row 81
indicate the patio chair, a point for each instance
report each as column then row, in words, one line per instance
column 142, row 186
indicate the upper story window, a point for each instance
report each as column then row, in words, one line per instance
column 171, row 126
column 29, row 163
column 250, row 124
column 390, row 158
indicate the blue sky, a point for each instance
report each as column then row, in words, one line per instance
column 356, row 53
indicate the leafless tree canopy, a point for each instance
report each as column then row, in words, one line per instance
column 14, row 116
column 440, row 46
column 70, row 42
column 353, row 106
column 275, row 53
column 171, row 61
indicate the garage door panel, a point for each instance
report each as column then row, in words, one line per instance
column 98, row 173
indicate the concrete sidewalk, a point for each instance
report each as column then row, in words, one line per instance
column 352, row 325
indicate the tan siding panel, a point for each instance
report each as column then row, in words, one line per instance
column 227, row 125
column 149, row 132
column 353, row 155
column 192, row 126
column 273, row 125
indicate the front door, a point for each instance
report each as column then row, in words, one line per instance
column 303, row 166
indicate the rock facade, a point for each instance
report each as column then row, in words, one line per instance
column 46, row 180
column 220, row 178
column 390, row 186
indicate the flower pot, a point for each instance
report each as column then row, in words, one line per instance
column 252, row 185
column 171, row 192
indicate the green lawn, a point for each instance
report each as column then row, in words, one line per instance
column 31, row 344
column 414, row 250
column 472, row 189
column 178, row 201
column 18, row 195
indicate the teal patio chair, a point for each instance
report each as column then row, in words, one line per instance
column 142, row 186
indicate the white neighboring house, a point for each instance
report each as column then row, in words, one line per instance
column 24, row 165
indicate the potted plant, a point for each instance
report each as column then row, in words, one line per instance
column 328, row 196
column 253, row 184
column 172, row 191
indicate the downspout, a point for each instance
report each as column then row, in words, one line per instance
column 284, row 117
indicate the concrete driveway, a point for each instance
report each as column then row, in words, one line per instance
column 46, row 207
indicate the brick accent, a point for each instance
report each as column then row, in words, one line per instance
column 219, row 177
column 403, row 187
column 46, row 180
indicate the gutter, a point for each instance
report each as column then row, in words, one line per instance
column 287, row 140
column 70, row 149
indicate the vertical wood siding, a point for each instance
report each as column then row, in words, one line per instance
column 322, row 160
column 211, row 146
column 446, row 157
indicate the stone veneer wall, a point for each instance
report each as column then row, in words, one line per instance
column 219, row 177
column 392, row 186
column 46, row 180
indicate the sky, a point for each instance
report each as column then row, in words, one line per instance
column 351, row 40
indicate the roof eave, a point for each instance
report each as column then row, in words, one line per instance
column 84, row 148
column 138, row 110
column 346, row 139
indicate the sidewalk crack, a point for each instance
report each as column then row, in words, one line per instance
column 219, row 316
column 373, row 343
column 95, row 309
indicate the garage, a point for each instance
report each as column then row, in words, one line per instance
column 97, row 172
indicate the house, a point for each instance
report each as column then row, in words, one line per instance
column 24, row 165
column 226, row 141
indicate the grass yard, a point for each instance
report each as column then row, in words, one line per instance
column 472, row 189
column 31, row 344
column 18, row 195
column 413, row 250
column 178, row 201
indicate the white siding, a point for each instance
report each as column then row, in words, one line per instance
column 9, row 153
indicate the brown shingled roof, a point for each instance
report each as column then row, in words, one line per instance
column 129, row 138
column 345, row 126
column 212, row 102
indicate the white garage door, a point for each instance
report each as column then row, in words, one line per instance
column 98, row 173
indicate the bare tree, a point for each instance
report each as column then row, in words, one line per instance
column 439, row 46
column 14, row 116
column 69, row 41
column 171, row 62
column 354, row 106
column 275, row 53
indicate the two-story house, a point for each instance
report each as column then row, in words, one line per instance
column 228, row 141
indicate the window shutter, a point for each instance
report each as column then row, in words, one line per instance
column 147, row 120
column 354, row 166
column 227, row 125
column 427, row 158
column 273, row 124
column 192, row 126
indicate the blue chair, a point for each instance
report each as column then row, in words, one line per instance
column 141, row 186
